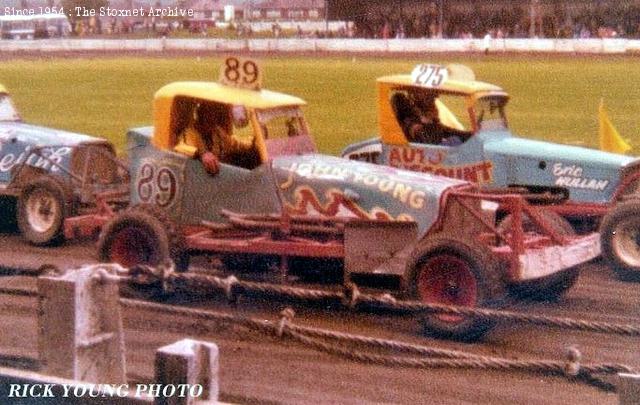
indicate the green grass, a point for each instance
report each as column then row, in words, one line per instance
column 553, row 97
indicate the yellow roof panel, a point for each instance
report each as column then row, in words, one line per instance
column 466, row 87
column 217, row 92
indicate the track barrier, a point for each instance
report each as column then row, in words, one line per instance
column 328, row 45
column 196, row 362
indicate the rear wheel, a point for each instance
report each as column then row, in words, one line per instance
column 451, row 271
column 620, row 239
column 548, row 288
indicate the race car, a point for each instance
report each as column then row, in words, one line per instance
column 441, row 120
column 230, row 170
column 54, row 176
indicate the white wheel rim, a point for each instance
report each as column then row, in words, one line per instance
column 626, row 242
column 42, row 210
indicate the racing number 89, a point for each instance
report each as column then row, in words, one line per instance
column 236, row 72
column 160, row 185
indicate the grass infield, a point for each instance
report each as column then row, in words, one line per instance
column 553, row 97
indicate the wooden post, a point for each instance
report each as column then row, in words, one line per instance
column 189, row 362
column 80, row 326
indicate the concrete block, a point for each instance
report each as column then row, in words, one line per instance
column 80, row 326
column 188, row 362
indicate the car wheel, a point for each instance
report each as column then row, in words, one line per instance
column 548, row 288
column 143, row 234
column 452, row 271
column 43, row 205
column 620, row 239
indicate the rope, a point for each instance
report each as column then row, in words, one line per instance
column 21, row 292
column 571, row 369
column 353, row 298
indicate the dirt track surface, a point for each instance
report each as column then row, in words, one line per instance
column 267, row 370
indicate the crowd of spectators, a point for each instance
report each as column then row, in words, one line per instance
column 516, row 20
column 381, row 19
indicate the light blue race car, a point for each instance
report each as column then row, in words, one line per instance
column 57, row 178
column 440, row 120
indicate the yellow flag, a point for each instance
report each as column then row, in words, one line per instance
column 610, row 139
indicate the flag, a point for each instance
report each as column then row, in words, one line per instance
column 610, row 139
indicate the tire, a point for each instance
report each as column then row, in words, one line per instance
column 451, row 271
column 43, row 205
column 620, row 239
column 548, row 288
column 142, row 234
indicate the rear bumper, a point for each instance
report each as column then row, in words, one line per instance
column 545, row 261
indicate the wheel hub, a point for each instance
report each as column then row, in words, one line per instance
column 42, row 210
column 626, row 241
column 447, row 279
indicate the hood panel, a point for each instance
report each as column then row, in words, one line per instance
column 590, row 175
column 41, row 136
column 333, row 187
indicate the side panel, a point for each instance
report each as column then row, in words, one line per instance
column 232, row 188
column 325, row 186
column 368, row 253
column 465, row 162
column 156, row 177
column 15, row 152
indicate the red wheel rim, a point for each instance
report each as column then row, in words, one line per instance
column 129, row 247
column 447, row 279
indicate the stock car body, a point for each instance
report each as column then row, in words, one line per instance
column 483, row 150
column 292, row 210
column 54, row 175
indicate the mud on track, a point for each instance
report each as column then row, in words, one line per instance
column 257, row 367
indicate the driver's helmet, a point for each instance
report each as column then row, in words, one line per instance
column 239, row 116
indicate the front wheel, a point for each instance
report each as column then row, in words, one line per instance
column 43, row 205
column 142, row 234
column 620, row 239
column 452, row 271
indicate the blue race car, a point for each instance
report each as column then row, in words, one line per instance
column 56, row 177
column 441, row 120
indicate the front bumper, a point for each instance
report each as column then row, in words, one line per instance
column 545, row 261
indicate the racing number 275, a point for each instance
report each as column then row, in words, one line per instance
column 430, row 75
column 157, row 185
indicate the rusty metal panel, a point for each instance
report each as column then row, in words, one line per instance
column 378, row 247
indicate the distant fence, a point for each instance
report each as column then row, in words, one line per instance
column 593, row 46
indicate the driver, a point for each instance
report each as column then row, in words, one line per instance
column 210, row 130
column 420, row 120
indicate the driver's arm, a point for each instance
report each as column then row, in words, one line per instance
column 191, row 143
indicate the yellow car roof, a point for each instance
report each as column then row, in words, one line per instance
column 463, row 87
column 217, row 92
